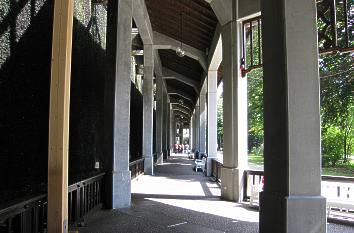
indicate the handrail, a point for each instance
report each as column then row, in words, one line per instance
column 343, row 179
column 31, row 212
column 217, row 165
column 87, row 181
column 136, row 167
column 136, row 161
column 13, row 209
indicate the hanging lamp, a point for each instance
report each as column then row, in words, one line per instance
column 179, row 51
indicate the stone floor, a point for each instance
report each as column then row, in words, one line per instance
column 178, row 199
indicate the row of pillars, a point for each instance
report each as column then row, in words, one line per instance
column 203, row 123
column 116, row 115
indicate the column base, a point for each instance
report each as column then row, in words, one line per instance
column 121, row 196
column 159, row 158
column 209, row 165
column 231, row 184
column 292, row 214
column 307, row 213
column 165, row 154
column 149, row 165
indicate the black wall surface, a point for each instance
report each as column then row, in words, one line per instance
column 136, row 123
column 25, row 59
column 25, row 55
column 87, row 90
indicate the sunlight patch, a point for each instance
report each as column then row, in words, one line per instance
column 4, row 8
column 23, row 21
column 235, row 212
column 4, row 46
column 38, row 6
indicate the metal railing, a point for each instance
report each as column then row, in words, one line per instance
column 250, row 178
column 338, row 190
column 216, row 169
column 84, row 196
column 30, row 215
column 136, row 168
column 25, row 216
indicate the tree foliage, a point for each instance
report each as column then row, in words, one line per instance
column 337, row 107
column 255, row 111
column 220, row 121
column 336, row 93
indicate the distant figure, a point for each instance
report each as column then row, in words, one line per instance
column 186, row 147
column 196, row 154
column 179, row 148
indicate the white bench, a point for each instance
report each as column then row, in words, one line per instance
column 254, row 189
column 200, row 163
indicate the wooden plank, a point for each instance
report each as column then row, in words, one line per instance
column 59, row 117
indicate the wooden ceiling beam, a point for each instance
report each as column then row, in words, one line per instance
column 177, row 6
column 158, row 11
column 169, row 25
column 167, row 73
column 162, row 41
column 202, row 8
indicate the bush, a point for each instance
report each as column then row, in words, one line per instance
column 332, row 148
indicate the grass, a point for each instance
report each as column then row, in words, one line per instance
column 255, row 159
column 338, row 170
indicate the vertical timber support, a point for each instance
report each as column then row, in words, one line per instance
column 117, row 103
column 212, row 118
column 59, row 117
column 148, row 102
column 235, row 118
column 291, row 201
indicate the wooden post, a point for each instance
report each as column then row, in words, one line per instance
column 59, row 117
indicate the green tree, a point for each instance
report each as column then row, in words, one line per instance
column 255, row 111
column 337, row 107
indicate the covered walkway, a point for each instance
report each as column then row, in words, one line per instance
column 177, row 199
column 96, row 92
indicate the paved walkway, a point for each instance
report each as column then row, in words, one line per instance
column 177, row 199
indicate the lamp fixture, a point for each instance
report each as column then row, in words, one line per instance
column 179, row 51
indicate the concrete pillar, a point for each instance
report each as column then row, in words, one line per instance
column 191, row 133
column 117, row 102
column 181, row 133
column 172, row 123
column 212, row 118
column 202, row 122
column 197, row 126
column 148, row 101
column 291, row 201
column 164, row 122
column 168, row 122
column 235, row 111
column 159, row 119
column 174, row 130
